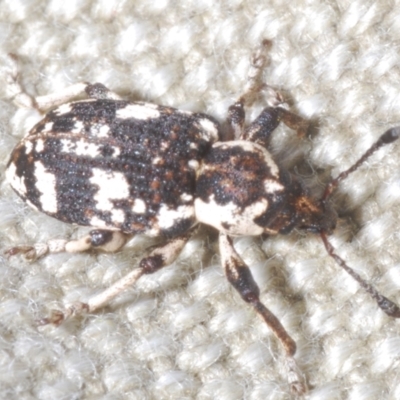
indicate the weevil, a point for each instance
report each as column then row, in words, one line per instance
column 126, row 168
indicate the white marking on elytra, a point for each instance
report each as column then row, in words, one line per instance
column 117, row 216
column 156, row 160
column 110, row 186
column 39, row 147
column 229, row 218
column 137, row 111
column 116, row 152
column 48, row 127
column 100, row 130
column 186, row 197
column 272, row 186
column 83, row 148
column 193, row 164
column 28, row 147
column 209, row 130
column 164, row 145
column 80, row 147
column 78, row 126
column 167, row 217
column 97, row 222
column 139, row 206
column 68, row 146
column 16, row 182
column 63, row 109
column 46, row 184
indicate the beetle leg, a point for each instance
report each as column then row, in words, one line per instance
column 160, row 256
column 99, row 91
column 254, row 76
column 260, row 130
column 239, row 275
column 294, row 121
column 43, row 103
column 95, row 91
column 255, row 83
column 102, row 239
column 236, row 113
column 235, row 120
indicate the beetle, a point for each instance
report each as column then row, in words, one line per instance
column 126, row 168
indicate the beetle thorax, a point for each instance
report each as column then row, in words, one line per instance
column 239, row 189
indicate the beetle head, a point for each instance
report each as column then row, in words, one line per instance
column 315, row 215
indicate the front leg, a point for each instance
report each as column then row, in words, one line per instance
column 239, row 275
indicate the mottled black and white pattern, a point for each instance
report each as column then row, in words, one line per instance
column 114, row 164
column 125, row 168
column 242, row 191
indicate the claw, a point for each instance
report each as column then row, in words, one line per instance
column 57, row 317
column 29, row 252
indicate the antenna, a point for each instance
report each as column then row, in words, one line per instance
column 384, row 303
column 389, row 136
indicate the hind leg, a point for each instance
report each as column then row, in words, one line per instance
column 160, row 256
column 101, row 239
column 43, row 103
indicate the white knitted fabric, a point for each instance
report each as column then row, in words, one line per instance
column 184, row 333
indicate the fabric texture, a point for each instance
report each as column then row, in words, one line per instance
column 184, row 333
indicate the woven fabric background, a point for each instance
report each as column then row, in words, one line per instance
column 184, row 333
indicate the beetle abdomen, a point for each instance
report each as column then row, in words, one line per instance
column 114, row 164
